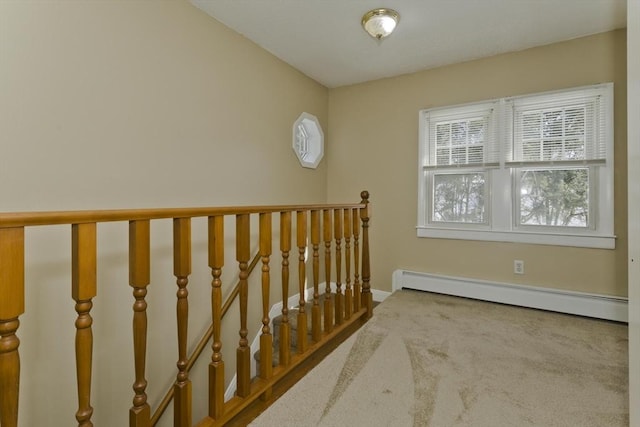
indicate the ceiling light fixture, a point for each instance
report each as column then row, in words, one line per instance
column 379, row 23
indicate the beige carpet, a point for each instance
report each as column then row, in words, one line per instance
column 434, row 360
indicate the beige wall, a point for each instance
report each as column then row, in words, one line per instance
column 123, row 104
column 373, row 144
column 151, row 104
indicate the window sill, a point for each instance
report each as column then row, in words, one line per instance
column 555, row 239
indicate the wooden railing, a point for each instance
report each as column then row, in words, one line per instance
column 340, row 309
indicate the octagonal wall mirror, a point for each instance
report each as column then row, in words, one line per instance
column 308, row 140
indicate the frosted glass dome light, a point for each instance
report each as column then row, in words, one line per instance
column 379, row 23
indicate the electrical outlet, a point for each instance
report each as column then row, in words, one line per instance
column 518, row 266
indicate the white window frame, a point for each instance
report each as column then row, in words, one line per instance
column 501, row 208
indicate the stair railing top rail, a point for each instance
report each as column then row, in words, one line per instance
column 29, row 219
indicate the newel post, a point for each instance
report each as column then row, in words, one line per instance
column 367, row 299
column 11, row 307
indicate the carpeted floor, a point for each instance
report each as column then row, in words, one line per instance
column 434, row 360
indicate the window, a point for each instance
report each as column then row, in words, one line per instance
column 308, row 140
column 462, row 149
column 535, row 169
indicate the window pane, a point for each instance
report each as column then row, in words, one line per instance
column 556, row 197
column 459, row 156
column 442, row 156
column 475, row 154
column 531, row 124
column 552, row 134
column 552, row 124
column 574, row 149
column 443, row 134
column 552, row 150
column 459, row 133
column 459, row 197
column 575, row 121
column 476, row 132
column 459, row 142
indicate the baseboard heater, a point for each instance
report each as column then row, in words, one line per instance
column 583, row 304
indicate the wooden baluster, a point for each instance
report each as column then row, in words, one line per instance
column 357, row 297
column 266, row 339
column 243, row 353
column 182, row 270
column 316, row 327
column 348, row 293
column 285, row 328
column 301, row 230
column 11, row 307
column 337, row 223
column 83, row 289
column 216, row 367
column 328, row 303
column 139, row 278
column 367, row 299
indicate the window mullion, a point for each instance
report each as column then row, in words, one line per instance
column 501, row 199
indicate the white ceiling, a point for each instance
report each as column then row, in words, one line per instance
column 324, row 38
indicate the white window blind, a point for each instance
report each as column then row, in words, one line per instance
column 462, row 139
column 558, row 129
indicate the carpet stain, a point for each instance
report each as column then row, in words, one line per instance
column 614, row 378
column 468, row 396
column 366, row 344
column 425, row 383
column 437, row 353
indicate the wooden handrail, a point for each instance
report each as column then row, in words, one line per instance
column 30, row 219
column 206, row 337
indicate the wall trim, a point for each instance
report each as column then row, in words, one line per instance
column 570, row 302
column 379, row 296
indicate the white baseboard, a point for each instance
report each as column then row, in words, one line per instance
column 583, row 304
column 378, row 296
